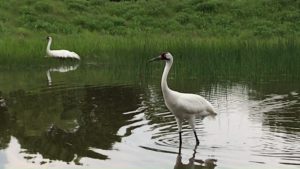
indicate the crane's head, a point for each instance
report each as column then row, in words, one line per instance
column 165, row 56
column 49, row 37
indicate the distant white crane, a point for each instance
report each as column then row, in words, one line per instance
column 184, row 106
column 63, row 54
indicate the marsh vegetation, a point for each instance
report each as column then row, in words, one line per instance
column 107, row 110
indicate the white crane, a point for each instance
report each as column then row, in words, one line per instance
column 60, row 53
column 184, row 106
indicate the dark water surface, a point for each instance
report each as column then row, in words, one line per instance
column 113, row 116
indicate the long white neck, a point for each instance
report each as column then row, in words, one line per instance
column 48, row 46
column 164, row 84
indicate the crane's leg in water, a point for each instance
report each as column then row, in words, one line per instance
column 197, row 140
column 192, row 124
column 179, row 124
column 180, row 142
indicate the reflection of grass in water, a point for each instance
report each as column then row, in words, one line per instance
column 36, row 79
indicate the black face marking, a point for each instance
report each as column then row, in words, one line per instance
column 163, row 56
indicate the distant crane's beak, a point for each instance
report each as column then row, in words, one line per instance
column 154, row 59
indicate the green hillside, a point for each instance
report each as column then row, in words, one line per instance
column 205, row 18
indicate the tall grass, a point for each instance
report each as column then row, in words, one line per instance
column 195, row 58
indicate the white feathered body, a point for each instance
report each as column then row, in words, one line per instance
column 185, row 105
column 64, row 54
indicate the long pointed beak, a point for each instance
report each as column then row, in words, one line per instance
column 154, row 59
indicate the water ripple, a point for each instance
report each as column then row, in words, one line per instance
column 247, row 129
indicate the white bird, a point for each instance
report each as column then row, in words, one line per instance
column 63, row 54
column 184, row 106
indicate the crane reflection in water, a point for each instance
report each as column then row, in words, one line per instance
column 63, row 68
column 193, row 162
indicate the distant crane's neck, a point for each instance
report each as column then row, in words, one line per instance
column 164, row 84
column 49, row 44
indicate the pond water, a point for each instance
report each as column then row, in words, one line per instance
column 113, row 116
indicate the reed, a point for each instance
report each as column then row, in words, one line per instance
column 207, row 59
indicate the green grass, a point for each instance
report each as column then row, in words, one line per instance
column 103, row 31
column 115, row 59
column 95, row 48
column 203, row 18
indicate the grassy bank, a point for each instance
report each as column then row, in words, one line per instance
column 115, row 31
column 107, row 48
column 205, row 18
column 112, row 59
column 212, row 58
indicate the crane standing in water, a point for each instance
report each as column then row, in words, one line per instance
column 184, row 106
column 63, row 54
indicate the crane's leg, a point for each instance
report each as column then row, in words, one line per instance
column 179, row 124
column 192, row 124
column 180, row 142
column 197, row 140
